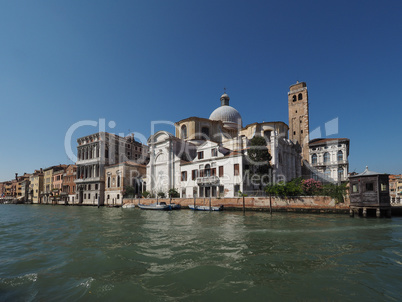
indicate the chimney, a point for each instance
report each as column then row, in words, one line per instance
column 16, row 176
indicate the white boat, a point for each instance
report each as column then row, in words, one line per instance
column 205, row 208
column 155, row 206
column 128, row 206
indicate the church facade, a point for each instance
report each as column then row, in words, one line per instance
column 209, row 157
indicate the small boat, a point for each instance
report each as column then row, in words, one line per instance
column 155, row 206
column 205, row 208
column 175, row 206
column 128, row 206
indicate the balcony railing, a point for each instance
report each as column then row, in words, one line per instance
column 208, row 180
column 329, row 163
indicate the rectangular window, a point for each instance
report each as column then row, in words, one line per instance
column 194, row 174
column 96, row 186
column 220, row 171
column 183, row 193
column 184, row 176
column 201, row 191
column 355, row 188
column 89, row 195
column 195, row 191
column 214, row 152
column 236, row 169
column 213, row 193
column 236, row 189
column 201, row 155
column 384, row 187
column 369, row 186
column 221, row 191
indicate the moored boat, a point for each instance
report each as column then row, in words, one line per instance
column 128, row 206
column 175, row 206
column 155, row 206
column 205, row 208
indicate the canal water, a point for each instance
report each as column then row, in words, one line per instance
column 58, row 253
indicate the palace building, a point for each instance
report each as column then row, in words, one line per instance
column 209, row 156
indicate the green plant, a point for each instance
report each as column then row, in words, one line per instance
column 129, row 192
column 161, row 195
column 146, row 194
column 337, row 192
column 173, row 193
column 241, row 194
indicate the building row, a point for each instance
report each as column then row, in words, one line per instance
column 205, row 157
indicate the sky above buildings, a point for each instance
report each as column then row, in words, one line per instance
column 133, row 64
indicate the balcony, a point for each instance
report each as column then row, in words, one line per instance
column 208, row 180
column 330, row 163
column 88, row 179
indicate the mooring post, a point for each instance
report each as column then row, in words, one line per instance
column 270, row 203
column 378, row 213
column 157, row 199
column 210, row 202
column 244, row 205
column 364, row 212
column 194, row 202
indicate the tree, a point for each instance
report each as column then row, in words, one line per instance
column 173, row 193
column 258, row 160
column 129, row 192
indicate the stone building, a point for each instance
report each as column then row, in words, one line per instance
column 319, row 159
column 119, row 178
column 36, row 186
column 299, row 117
column 69, row 177
column 330, row 157
column 97, row 151
column 47, row 193
column 207, row 157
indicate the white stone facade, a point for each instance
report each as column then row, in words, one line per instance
column 330, row 157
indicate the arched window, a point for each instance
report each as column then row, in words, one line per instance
column 327, row 173
column 205, row 132
column 183, row 132
column 340, row 173
column 118, row 180
column 108, row 181
column 207, row 170
column 300, row 96
column 294, row 98
column 340, row 155
column 326, row 157
column 267, row 135
column 314, row 158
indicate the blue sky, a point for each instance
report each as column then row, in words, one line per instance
column 133, row 62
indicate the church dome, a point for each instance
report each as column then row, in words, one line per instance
column 230, row 117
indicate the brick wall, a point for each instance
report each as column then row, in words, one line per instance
column 296, row 204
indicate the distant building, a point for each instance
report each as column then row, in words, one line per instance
column 119, row 178
column 36, row 186
column 94, row 153
column 47, row 193
column 69, row 177
column 395, row 188
column 330, row 157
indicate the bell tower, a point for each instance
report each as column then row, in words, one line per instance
column 298, row 117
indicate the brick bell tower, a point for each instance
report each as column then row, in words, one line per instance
column 298, row 117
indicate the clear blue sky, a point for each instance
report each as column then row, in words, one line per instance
column 134, row 62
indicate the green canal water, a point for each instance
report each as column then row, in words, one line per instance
column 58, row 253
